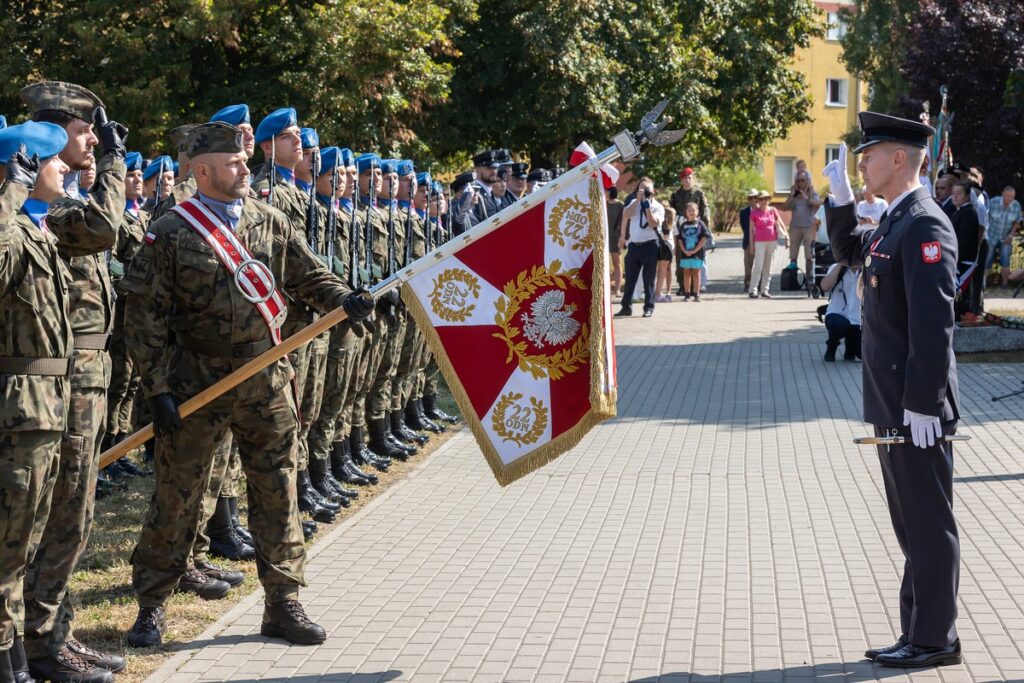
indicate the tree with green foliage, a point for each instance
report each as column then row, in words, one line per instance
column 726, row 187
column 875, row 44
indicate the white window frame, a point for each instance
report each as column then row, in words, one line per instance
column 784, row 181
column 835, row 28
column 831, row 154
column 844, row 92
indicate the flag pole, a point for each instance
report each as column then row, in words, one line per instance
column 626, row 146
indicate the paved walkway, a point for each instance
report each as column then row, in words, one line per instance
column 723, row 527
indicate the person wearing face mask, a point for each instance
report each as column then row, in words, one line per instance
column 910, row 380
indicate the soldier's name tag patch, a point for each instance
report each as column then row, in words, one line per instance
column 931, row 252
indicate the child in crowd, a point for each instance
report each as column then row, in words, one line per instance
column 664, row 279
column 691, row 235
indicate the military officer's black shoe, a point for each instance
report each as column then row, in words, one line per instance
column 111, row 663
column 68, row 667
column 912, row 656
column 623, row 313
column 289, row 621
column 308, row 529
column 195, row 581
column 18, row 664
column 148, row 628
column 434, row 412
column 240, row 529
column 873, row 653
column 228, row 576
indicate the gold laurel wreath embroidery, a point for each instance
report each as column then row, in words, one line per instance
column 540, row 422
column 560, row 363
column 566, row 207
column 443, row 312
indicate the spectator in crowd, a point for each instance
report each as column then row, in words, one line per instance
column 925, row 180
column 870, row 209
column 1004, row 220
column 803, row 202
column 663, row 287
column 820, row 224
column 970, row 237
column 688, row 192
column 748, row 255
column 979, row 197
column 944, row 191
column 691, row 236
column 614, row 208
column 842, row 316
column 766, row 226
column 643, row 218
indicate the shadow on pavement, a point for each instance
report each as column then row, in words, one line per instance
column 330, row 677
column 849, row 672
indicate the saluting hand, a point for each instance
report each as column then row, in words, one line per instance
column 838, row 181
column 23, row 170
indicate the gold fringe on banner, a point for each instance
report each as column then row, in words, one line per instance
column 602, row 406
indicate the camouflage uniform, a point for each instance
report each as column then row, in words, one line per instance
column 84, row 231
column 372, row 353
column 124, row 381
column 394, row 332
column 412, row 343
column 224, row 473
column 179, row 193
column 188, row 329
column 34, row 324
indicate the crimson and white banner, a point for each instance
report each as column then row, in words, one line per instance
column 520, row 323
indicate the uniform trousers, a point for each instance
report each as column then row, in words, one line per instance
column 265, row 429
column 380, row 393
column 124, row 380
column 340, row 365
column 220, row 484
column 29, row 461
column 919, row 490
column 312, row 394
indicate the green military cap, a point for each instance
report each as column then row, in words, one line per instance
column 214, row 137
column 179, row 136
column 60, row 96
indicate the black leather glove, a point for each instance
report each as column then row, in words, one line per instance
column 359, row 304
column 22, row 170
column 166, row 419
column 110, row 133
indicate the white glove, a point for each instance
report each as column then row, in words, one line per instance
column 838, row 181
column 924, row 429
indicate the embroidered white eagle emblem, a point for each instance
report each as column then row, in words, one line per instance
column 552, row 322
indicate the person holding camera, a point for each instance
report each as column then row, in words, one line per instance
column 643, row 218
column 802, row 202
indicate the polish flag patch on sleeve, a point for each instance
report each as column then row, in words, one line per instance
column 150, row 237
column 931, row 252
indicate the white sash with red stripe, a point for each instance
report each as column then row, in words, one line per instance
column 254, row 280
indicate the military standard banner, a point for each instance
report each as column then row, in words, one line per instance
column 520, row 323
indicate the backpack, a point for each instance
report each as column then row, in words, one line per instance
column 791, row 281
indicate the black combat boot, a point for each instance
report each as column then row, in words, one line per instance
column 362, row 455
column 148, row 629
column 195, row 581
column 68, row 667
column 332, row 505
column 236, row 523
column 228, row 576
column 389, row 434
column 308, row 529
column 318, row 477
column 380, row 444
column 402, row 431
column 308, row 504
column 103, row 660
column 289, row 621
column 429, row 424
column 343, row 468
column 434, row 412
column 19, row 664
column 224, row 541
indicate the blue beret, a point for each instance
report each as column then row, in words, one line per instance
column 162, row 163
column 233, row 114
column 388, row 166
column 329, row 157
column 309, row 138
column 347, row 157
column 133, row 160
column 44, row 139
column 437, row 188
column 423, row 178
column 405, row 167
column 3, row 121
column 364, row 162
column 275, row 122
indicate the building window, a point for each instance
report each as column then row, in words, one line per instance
column 836, row 27
column 831, row 154
column 836, row 92
column 785, row 169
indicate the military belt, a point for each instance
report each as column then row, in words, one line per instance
column 218, row 350
column 44, row 367
column 92, row 342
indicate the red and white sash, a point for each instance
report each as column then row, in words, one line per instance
column 256, row 283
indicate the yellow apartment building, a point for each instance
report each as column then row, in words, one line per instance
column 836, row 98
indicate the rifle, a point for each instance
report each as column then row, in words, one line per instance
column 427, row 225
column 272, row 171
column 332, row 221
column 353, row 242
column 392, row 238
column 368, row 237
column 313, row 213
column 408, row 223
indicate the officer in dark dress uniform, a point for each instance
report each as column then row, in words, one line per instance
column 910, row 380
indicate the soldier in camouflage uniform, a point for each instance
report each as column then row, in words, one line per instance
column 187, row 329
column 85, row 230
column 35, row 350
column 280, row 138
